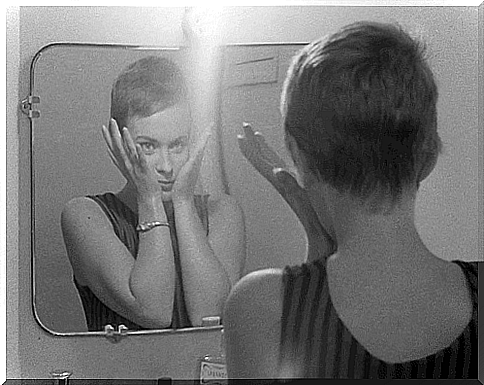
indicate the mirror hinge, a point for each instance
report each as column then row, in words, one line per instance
column 115, row 336
column 27, row 106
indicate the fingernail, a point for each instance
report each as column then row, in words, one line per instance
column 239, row 136
column 245, row 124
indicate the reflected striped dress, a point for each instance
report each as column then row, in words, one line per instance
column 124, row 222
column 332, row 352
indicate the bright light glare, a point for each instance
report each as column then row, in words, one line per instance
column 207, row 22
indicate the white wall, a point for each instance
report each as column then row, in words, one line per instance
column 447, row 208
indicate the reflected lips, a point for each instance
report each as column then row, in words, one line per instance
column 166, row 186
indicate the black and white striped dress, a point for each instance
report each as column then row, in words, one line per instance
column 124, row 222
column 316, row 343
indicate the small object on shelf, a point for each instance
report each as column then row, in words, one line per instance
column 61, row 377
column 210, row 321
column 213, row 369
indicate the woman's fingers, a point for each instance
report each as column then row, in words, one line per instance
column 247, row 140
column 248, row 131
column 199, row 149
column 192, row 167
column 122, row 150
column 109, row 142
column 256, row 139
column 129, row 146
column 254, row 147
column 288, row 184
column 140, row 156
column 107, row 137
column 116, row 142
column 120, row 167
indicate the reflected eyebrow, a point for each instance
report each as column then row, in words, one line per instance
column 180, row 139
column 147, row 138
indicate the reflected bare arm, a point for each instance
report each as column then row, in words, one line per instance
column 140, row 289
column 210, row 264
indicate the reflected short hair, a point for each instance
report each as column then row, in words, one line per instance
column 361, row 106
column 147, row 86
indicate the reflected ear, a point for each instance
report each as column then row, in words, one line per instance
column 305, row 177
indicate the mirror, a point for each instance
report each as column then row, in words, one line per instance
column 70, row 158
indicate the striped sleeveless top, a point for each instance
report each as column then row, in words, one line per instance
column 316, row 343
column 124, row 222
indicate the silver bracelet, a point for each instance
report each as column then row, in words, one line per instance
column 147, row 226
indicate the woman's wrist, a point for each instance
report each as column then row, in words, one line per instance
column 150, row 208
column 182, row 202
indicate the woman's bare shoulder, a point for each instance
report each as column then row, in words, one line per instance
column 82, row 208
column 252, row 325
column 258, row 295
column 79, row 204
column 84, row 225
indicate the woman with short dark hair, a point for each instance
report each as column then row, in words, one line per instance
column 360, row 122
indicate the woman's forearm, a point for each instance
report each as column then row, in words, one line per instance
column 205, row 282
column 320, row 242
column 152, row 279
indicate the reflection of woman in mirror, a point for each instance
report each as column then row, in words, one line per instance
column 153, row 255
column 360, row 121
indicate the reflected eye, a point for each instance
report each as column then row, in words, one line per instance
column 178, row 146
column 147, row 147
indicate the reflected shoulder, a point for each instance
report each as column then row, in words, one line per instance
column 82, row 209
column 79, row 204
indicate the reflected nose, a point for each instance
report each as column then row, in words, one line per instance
column 164, row 165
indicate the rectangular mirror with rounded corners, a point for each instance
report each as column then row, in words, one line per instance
column 68, row 104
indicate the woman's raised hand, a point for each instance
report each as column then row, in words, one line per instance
column 129, row 159
column 184, row 186
column 265, row 160
column 272, row 167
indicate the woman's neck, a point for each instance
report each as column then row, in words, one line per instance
column 364, row 234
column 129, row 196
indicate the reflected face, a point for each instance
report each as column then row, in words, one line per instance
column 164, row 139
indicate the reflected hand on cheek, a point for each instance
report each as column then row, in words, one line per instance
column 184, row 187
column 129, row 158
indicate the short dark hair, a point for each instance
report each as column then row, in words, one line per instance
column 361, row 106
column 145, row 87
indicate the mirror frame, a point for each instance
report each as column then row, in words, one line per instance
column 28, row 108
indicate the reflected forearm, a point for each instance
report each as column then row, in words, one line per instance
column 152, row 279
column 205, row 282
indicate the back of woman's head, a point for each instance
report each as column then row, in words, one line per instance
column 145, row 87
column 361, row 106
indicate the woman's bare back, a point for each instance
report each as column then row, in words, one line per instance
column 405, row 315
